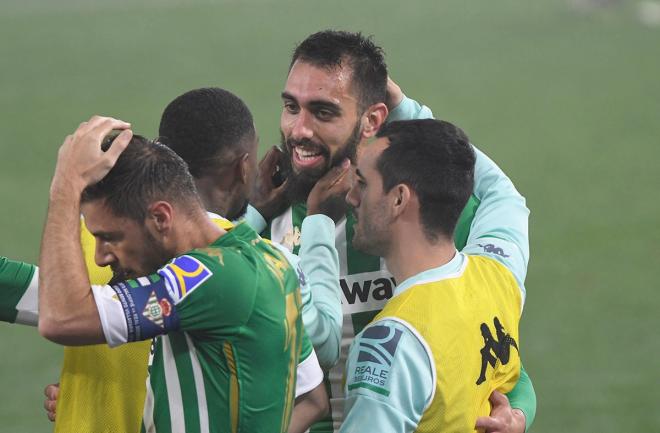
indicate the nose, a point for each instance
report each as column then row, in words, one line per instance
column 352, row 196
column 301, row 126
column 103, row 255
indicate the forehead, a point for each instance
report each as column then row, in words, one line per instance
column 99, row 218
column 368, row 156
column 307, row 82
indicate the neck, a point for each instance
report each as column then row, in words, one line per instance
column 198, row 231
column 419, row 255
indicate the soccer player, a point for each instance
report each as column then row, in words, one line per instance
column 227, row 306
column 214, row 132
column 335, row 98
column 449, row 335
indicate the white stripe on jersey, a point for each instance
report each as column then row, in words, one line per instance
column 199, row 386
column 175, row 402
column 148, row 414
column 28, row 306
column 282, row 226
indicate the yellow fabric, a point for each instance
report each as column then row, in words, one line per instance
column 102, row 390
column 448, row 314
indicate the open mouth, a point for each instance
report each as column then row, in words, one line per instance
column 307, row 157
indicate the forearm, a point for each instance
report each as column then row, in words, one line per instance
column 319, row 263
column 523, row 398
column 18, row 292
column 409, row 109
column 309, row 408
column 68, row 313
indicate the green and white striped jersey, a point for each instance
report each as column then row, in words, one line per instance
column 232, row 319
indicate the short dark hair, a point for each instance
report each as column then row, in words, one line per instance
column 202, row 124
column 436, row 160
column 332, row 48
column 145, row 172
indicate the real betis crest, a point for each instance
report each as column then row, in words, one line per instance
column 155, row 310
column 291, row 239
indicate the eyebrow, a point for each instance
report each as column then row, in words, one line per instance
column 105, row 234
column 316, row 103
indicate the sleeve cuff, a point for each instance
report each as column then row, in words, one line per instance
column 111, row 314
column 308, row 375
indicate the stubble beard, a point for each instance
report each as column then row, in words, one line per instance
column 155, row 259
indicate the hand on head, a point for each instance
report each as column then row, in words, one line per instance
column 81, row 161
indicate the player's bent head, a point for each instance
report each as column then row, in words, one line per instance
column 146, row 171
column 332, row 49
column 435, row 159
column 207, row 127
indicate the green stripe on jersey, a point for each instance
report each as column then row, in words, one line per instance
column 186, row 377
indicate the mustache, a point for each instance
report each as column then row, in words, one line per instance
column 306, row 142
column 118, row 275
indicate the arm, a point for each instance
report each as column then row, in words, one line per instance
column 68, row 312
column 403, row 108
column 499, row 228
column 395, row 395
column 309, row 408
column 19, row 290
column 318, row 263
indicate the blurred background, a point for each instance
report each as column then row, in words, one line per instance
column 564, row 95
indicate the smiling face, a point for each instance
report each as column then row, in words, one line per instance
column 370, row 202
column 121, row 243
column 320, row 122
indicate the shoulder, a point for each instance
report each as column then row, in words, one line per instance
column 207, row 267
column 386, row 358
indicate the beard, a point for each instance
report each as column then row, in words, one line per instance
column 153, row 258
column 299, row 184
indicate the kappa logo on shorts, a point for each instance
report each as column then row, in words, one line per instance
column 185, row 274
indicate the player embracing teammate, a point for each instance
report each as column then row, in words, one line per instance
column 336, row 98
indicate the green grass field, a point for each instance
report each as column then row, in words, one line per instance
column 567, row 103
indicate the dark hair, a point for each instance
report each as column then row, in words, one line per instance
column 203, row 124
column 331, row 49
column 435, row 159
column 145, row 172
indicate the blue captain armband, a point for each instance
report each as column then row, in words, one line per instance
column 148, row 307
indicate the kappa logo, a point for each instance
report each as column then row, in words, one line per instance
column 491, row 248
column 185, row 274
column 368, row 291
column 495, row 349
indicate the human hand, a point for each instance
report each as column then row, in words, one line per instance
column 328, row 195
column 503, row 418
column 394, row 95
column 51, row 392
column 268, row 197
column 81, row 161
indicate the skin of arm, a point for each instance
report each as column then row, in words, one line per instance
column 309, row 408
column 68, row 312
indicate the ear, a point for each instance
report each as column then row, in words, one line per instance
column 401, row 198
column 159, row 216
column 242, row 167
column 373, row 118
